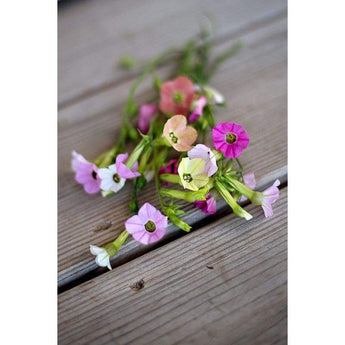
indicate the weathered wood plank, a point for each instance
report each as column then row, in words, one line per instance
column 254, row 83
column 219, row 285
column 93, row 35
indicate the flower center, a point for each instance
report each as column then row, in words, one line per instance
column 188, row 178
column 94, row 175
column 172, row 137
column 150, row 226
column 231, row 138
column 116, row 178
column 178, row 97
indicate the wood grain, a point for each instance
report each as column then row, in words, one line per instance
column 254, row 83
column 94, row 35
column 224, row 284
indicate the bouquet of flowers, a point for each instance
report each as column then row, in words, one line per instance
column 170, row 134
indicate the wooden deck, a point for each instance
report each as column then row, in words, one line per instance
column 230, row 290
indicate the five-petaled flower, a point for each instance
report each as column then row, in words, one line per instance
column 176, row 96
column 204, row 152
column 267, row 198
column 230, row 138
column 197, row 108
column 111, row 180
column 209, row 206
column 102, row 256
column 191, row 172
column 148, row 226
column 86, row 173
column 123, row 170
column 146, row 114
column 179, row 135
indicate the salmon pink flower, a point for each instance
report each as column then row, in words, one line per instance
column 123, row 170
column 230, row 138
column 209, row 206
column 146, row 114
column 179, row 135
column 204, row 152
column 191, row 172
column 148, row 226
column 87, row 175
column 176, row 96
column 111, row 180
column 197, row 108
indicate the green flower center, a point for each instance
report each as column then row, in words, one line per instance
column 150, row 226
column 116, row 178
column 94, row 175
column 172, row 137
column 188, row 178
column 178, row 97
column 231, row 138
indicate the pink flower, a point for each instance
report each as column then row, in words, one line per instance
column 170, row 168
column 209, row 206
column 197, row 107
column 77, row 158
column 176, row 96
column 146, row 114
column 148, row 226
column 250, row 182
column 270, row 196
column 123, row 170
column 230, row 138
column 87, row 175
column 204, row 152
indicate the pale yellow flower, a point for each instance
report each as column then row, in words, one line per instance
column 179, row 135
column 191, row 172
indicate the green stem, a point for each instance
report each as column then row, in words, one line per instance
column 136, row 152
column 238, row 210
column 173, row 178
column 188, row 196
column 113, row 247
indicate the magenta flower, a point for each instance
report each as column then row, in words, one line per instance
column 204, row 152
column 146, row 114
column 230, row 138
column 209, row 206
column 87, row 175
column 197, row 108
column 268, row 197
column 148, row 226
column 176, row 96
column 170, row 168
column 123, row 170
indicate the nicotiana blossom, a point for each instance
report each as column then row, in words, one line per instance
column 111, row 180
column 209, row 206
column 191, row 172
column 267, row 198
column 123, row 170
column 146, row 114
column 77, row 158
column 179, row 135
column 102, row 256
column 230, row 138
column 176, row 96
column 148, row 226
column 204, row 152
column 87, row 175
column 213, row 96
column 197, row 108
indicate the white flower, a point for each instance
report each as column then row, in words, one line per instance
column 204, row 152
column 102, row 256
column 213, row 96
column 111, row 180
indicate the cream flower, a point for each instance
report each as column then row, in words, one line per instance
column 191, row 172
column 102, row 256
